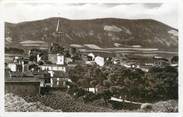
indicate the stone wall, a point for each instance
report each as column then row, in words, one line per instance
column 22, row 88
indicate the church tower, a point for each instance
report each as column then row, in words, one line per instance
column 59, row 32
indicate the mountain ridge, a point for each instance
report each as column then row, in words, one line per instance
column 103, row 32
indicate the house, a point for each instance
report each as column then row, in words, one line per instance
column 16, row 62
column 90, row 62
column 28, row 74
column 149, row 64
column 10, row 57
column 22, row 86
column 91, row 57
column 16, row 75
column 60, row 59
column 53, row 67
column 12, row 67
column 99, row 61
column 52, row 58
column 93, row 90
column 38, row 57
column 59, row 82
column 57, row 73
column 45, row 78
column 160, row 61
column 7, row 72
column 45, row 81
column 68, row 60
column 73, row 52
column 52, row 78
column 59, row 79
column 56, row 58
column 116, row 61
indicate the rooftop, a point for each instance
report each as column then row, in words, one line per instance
column 23, row 80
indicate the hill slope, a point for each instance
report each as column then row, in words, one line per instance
column 107, row 32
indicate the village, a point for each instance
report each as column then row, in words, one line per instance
column 42, row 68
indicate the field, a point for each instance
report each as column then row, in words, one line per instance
column 148, row 52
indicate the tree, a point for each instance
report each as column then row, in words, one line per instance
column 84, row 83
column 115, row 90
column 33, row 58
column 106, row 95
column 56, row 48
column 93, row 83
column 165, row 83
column 107, row 83
column 95, row 73
column 34, row 67
column 72, row 87
column 40, row 63
column 76, row 73
column 174, row 59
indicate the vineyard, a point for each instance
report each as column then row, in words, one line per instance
column 62, row 102
column 14, row 103
column 66, row 103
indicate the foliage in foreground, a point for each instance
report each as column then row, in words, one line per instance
column 160, row 83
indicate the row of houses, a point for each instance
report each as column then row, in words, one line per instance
column 58, row 62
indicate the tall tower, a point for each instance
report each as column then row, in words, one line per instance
column 59, row 32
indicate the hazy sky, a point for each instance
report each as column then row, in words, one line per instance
column 18, row 12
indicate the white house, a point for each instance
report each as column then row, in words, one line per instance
column 53, row 67
column 12, row 67
column 60, row 59
column 99, row 61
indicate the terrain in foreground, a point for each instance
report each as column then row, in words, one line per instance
column 64, row 102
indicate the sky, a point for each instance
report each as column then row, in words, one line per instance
column 18, row 12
